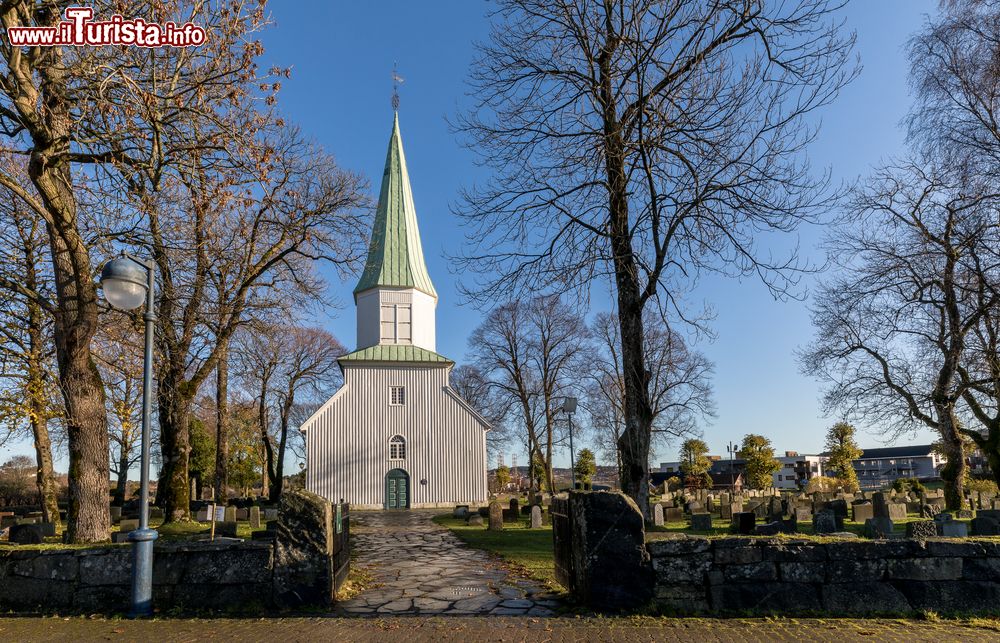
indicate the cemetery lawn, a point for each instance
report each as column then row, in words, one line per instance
column 528, row 551
column 177, row 531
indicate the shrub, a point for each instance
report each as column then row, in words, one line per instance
column 981, row 485
column 904, row 485
column 823, row 484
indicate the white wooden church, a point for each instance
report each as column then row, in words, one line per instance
column 396, row 436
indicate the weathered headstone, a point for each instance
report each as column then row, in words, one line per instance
column 116, row 514
column 270, row 514
column 953, row 529
column 878, row 528
column 125, row 526
column 862, row 512
column 496, row 516
column 255, row 517
column 26, row 534
column 658, row 515
column 514, row 505
column 242, row 515
column 536, row 517
column 673, row 514
column 985, row 524
column 230, row 514
column 964, row 514
column 726, row 510
column 461, row 511
column 839, row 507
column 701, row 522
column 921, row 529
column 744, row 522
column 826, row 522
column 474, row 520
column 802, row 514
column 897, row 511
column 156, row 513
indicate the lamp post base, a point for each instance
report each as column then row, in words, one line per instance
column 142, row 572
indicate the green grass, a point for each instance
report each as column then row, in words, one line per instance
column 721, row 528
column 528, row 551
column 172, row 532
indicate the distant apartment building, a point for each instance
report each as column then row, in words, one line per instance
column 878, row 468
column 796, row 470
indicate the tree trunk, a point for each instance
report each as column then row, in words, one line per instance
column 222, row 423
column 122, row 484
column 635, row 439
column 953, row 473
column 37, row 401
column 279, row 464
column 269, row 469
column 173, row 491
column 88, row 518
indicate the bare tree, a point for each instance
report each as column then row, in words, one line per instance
column 892, row 327
column 680, row 385
column 532, row 354
column 28, row 389
column 644, row 142
column 37, row 118
column 285, row 367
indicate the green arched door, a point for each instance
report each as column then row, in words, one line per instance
column 397, row 489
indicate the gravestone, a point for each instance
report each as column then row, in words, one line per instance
column 878, row 528
column 48, row 528
column 26, row 534
column 953, row 529
column 242, row 515
column 985, row 524
column 802, row 514
column 726, row 510
column 921, row 529
column 701, row 522
column 694, row 507
column 125, row 526
column 255, row 517
column 673, row 514
column 658, row 515
column 270, row 514
column 862, row 512
column 827, row 522
column 536, row 517
column 226, row 529
column 964, row 514
column 116, row 514
column 838, row 507
column 509, row 515
column 897, row 511
column 230, row 514
column 514, row 505
column 880, row 505
column 461, row 511
column 474, row 520
column 744, row 522
column 155, row 513
column 496, row 516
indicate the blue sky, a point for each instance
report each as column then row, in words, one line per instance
column 342, row 53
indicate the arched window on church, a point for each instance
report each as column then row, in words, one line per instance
column 397, row 448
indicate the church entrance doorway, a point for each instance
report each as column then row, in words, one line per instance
column 397, row 489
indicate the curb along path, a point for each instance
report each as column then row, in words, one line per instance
column 419, row 567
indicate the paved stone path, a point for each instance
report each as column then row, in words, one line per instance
column 419, row 567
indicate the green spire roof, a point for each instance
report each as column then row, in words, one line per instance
column 395, row 257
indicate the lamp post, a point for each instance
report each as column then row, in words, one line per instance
column 126, row 283
column 569, row 407
column 732, row 448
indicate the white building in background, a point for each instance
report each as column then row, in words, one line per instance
column 396, row 436
column 796, row 470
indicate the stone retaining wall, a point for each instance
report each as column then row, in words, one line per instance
column 698, row 575
column 303, row 566
column 730, row 575
column 208, row 576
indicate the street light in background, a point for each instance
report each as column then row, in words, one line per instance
column 732, row 447
column 127, row 282
column 569, row 407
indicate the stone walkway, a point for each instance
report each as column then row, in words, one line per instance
column 419, row 567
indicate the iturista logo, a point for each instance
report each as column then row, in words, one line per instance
column 79, row 29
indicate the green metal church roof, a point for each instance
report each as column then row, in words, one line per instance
column 395, row 353
column 395, row 257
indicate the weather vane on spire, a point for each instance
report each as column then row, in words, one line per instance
column 397, row 80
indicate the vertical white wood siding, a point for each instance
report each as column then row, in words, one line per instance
column 347, row 440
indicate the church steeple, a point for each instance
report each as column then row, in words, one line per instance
column 395, row 255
